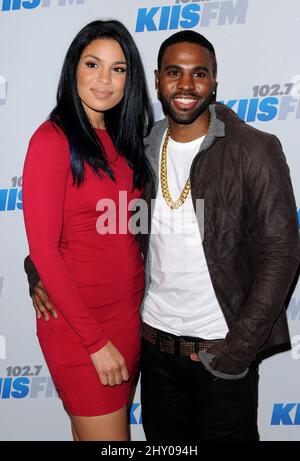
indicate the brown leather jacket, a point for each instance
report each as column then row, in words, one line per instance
column 250, row 238
column 250, row 235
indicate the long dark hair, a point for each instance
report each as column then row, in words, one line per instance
column 125, row 123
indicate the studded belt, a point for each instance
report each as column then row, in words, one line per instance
column 177, row 345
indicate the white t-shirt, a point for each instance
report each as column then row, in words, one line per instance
column 181, row 299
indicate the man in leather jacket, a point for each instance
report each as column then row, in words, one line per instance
column 219, row 260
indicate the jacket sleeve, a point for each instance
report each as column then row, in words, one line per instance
column 270, row 197
column 45, row 176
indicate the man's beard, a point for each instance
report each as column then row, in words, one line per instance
column 188, row 118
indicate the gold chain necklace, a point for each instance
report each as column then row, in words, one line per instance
column 164, row 179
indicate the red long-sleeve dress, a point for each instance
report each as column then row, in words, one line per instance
column 94, row 280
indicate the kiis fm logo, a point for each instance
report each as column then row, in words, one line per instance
column 187, row 14
column 11, row 199
column 286, row 414
column 279, row 101
column 33, row 388
column 23, row 382
column 12, row 5
column 135, row 415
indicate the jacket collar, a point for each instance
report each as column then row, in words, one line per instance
column 154, row 140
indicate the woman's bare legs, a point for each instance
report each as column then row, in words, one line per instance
column 74, row 433
column 111, row 427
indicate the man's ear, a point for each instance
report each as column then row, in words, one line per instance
column 215, row 91
column 156, row 76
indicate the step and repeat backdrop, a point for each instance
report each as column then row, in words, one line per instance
column 257, row 46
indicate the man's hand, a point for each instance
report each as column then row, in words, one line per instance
column 41, row 302
column 216, row 350
column 110, row 365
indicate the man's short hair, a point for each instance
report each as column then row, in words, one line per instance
column 188, row 36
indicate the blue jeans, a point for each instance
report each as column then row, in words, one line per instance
column 182, row 401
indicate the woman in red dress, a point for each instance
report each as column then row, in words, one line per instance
column 90, row 150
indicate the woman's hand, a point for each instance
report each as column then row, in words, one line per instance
column 110, row 365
